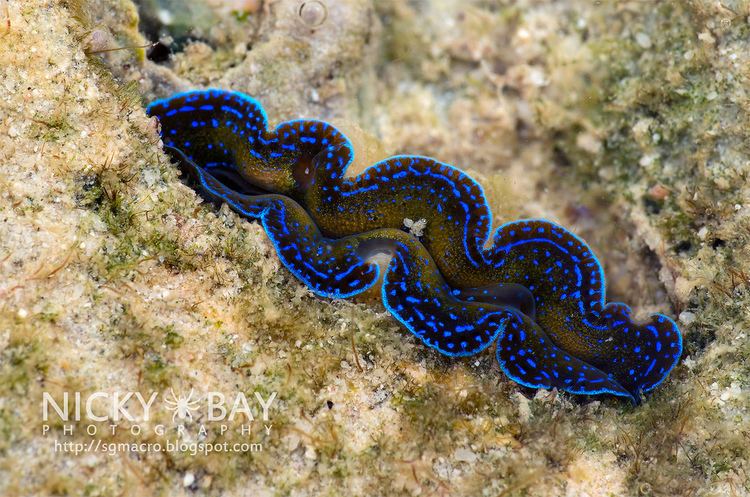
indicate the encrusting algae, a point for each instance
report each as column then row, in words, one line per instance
column 625, row 121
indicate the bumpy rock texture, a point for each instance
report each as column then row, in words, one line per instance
column 626, row 121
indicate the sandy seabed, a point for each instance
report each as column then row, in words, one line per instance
column 625, row 121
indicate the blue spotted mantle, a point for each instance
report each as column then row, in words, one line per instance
column 536, row 290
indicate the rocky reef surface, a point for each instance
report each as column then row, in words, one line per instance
column 626, row 121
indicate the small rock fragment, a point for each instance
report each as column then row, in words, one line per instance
column 687, row 317
column 416, row 228
column 658, row 192
column 188, row 479
column 465, row 454
column 643, row 40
